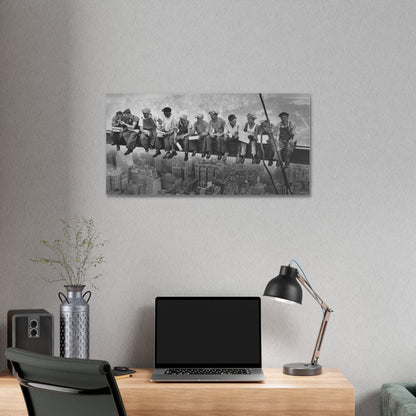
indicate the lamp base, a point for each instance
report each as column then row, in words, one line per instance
column 302, row 369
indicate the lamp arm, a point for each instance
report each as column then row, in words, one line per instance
column 327, row 314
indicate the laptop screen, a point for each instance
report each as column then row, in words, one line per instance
column 208, row 332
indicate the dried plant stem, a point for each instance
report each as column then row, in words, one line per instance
column 72, row 256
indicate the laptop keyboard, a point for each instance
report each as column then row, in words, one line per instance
column 206, row 371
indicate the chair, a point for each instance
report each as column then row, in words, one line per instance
column 65, row 386
column 398, row 399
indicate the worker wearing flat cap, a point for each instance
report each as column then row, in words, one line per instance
column 148, row 127
column 201, row 129
column 286, row 140
column 265, row 131
column 251, row 132
column 184, row 130
column 116, row 129
column 166, row 133
column 131, row 130
column 216, row 131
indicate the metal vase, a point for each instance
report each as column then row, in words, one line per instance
column 75, row 322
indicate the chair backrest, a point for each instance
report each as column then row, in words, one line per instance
column 66, row 386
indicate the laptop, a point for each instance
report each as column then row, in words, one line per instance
column 207, row 339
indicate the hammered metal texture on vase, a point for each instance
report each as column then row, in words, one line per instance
column 74, row 323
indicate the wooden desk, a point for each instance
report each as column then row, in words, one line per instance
column 329, row 394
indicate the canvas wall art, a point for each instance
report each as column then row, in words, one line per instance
column 208, row 144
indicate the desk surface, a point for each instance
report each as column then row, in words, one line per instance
column 329, row 394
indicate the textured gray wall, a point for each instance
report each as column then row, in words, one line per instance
column 355, row 234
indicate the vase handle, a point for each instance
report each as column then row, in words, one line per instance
column 60, row 298
column 89, row 297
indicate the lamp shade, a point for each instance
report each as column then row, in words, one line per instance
column 285, row 286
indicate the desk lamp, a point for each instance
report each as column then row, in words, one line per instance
column 286, row 288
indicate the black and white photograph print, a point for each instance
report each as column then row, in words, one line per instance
column 208, row 144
